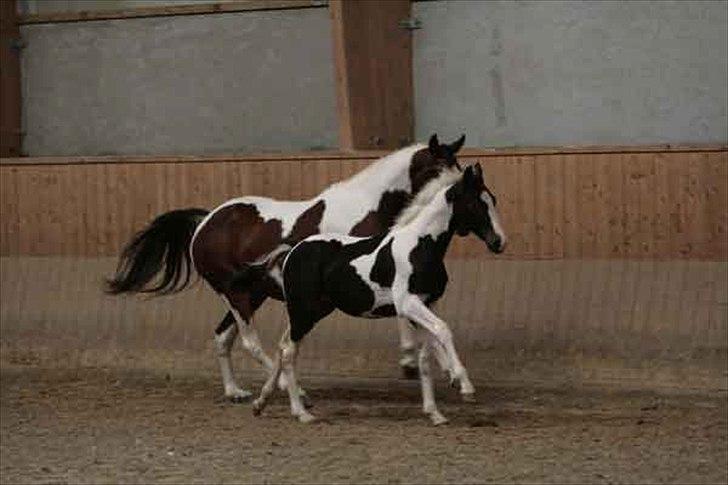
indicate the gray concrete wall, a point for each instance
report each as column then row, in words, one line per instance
column 238, row 82
column 506, row 73
column 562, row 73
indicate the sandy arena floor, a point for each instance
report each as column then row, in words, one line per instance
column 97, row 425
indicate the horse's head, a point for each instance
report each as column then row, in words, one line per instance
column 429, row 162
column 474, row 209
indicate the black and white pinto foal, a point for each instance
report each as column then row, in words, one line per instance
column 401, row 272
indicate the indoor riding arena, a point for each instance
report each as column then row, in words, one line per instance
column 597, row 341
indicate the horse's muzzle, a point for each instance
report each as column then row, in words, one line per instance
column 495, row 243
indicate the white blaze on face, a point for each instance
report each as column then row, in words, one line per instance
column 494, row 216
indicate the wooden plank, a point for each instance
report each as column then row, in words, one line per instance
column 650, row 206
column 586, row 208
column 570, row 194
column 10, row 212
column 373, row 60
column 169, row 10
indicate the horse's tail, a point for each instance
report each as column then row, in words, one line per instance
column 162, row 247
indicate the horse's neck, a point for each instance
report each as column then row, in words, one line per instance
column 388, row 173
column 434, row 220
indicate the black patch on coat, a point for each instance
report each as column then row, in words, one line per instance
column 318, row 278
column 429, row 276
column 227, row 321
column 383, row 269
column 387, row 310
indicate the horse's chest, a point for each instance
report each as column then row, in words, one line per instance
column 429, row 275
column 428, row 282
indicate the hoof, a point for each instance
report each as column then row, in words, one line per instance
column 306, row 418
column 410, row 372
column 239, row 396
column 469, row 397
column 257, row 407
column 438, row 419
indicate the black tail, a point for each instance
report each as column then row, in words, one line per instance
column 163, row 245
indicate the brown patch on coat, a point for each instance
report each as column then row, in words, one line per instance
column 307, row 223
column 390, row 205
column 424, row 167
column 234, row 236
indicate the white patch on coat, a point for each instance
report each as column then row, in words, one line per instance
column 494, row 216
column 446, row 178
column 349, row 201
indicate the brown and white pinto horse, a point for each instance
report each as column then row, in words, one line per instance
column 225, row 244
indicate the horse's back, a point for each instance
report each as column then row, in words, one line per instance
column 240, row 232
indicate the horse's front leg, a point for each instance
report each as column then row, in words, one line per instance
column 408, row 348
column 413, row 308
column 428, row 395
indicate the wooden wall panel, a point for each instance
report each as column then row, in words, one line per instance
column 639, row 205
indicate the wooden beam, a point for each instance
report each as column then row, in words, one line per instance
column 468, row 154
column 373, row 67
column 10, row 134
column 170, row 10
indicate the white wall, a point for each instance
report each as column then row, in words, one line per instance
column 572, row 73
column 234, row 82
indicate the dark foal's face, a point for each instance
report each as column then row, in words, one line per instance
column 474, row 209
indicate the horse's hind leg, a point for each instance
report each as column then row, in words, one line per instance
column 289, row 353
column 269, row 386
column 225, row 334
column 245, row 306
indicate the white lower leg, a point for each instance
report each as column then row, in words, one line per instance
column 270, row 383
column 428, row 394
column 288, row 358
column 252, row 344
column 223, row 344
column 418, row 312
column 406, row 343
column 458, row 370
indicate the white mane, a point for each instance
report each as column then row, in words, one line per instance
column 446, row 178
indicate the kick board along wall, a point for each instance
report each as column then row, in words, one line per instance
column 616, row 270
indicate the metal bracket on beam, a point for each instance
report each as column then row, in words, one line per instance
column 410, row 23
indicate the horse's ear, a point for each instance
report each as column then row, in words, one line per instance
column 457, row 144
column 473, row 176
column 478, row 171
column 469, row 175
column 434, row 144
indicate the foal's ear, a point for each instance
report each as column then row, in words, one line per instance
column 473, row 176
column 457, row 144
column 434, row 144
column 478, row 171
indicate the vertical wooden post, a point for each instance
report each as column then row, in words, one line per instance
column 373, row 62
column 10, row 138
